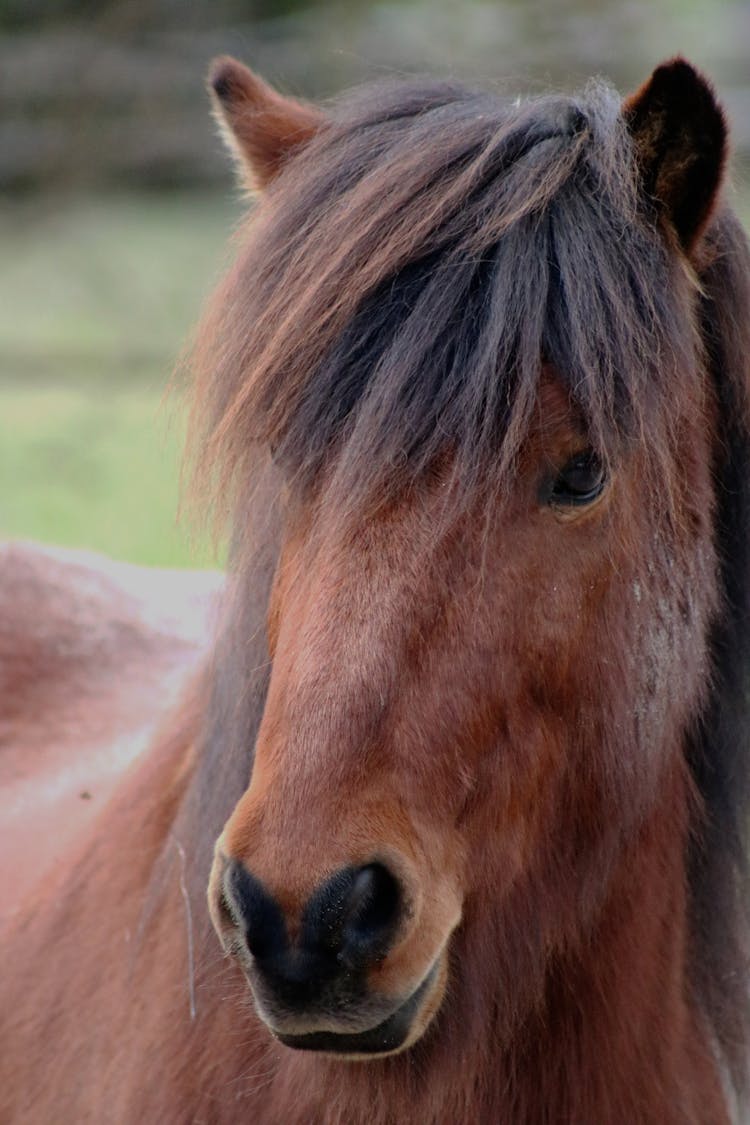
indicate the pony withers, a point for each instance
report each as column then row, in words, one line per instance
column 465, row 774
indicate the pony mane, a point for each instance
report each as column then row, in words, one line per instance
column 394, row 296
column 404, row 277
column 719, row 753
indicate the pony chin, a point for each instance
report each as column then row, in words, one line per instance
column 432, row 989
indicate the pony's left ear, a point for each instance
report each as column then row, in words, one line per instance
column 262, row 128
column 680, row 138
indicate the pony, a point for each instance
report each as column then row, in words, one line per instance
column 463, row 770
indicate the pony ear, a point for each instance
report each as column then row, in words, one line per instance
column 260, row 126
column 680, row 138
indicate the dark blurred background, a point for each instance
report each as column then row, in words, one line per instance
column 117, row 201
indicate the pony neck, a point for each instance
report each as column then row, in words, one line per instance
column 597, row 1022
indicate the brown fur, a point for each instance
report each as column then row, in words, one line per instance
column 530, row 712
column 92, row 654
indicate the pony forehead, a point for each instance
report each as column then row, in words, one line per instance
column 415, row 267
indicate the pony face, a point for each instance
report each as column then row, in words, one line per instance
column 487, row 629
column 441, row 691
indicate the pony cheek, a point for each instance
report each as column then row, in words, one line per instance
column 513, row 796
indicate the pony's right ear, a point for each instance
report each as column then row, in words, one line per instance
column 261, row 127
column 680, row 138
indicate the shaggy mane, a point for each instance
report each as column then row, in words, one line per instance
column 396, row 290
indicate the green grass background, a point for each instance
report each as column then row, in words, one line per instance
column 97, row 296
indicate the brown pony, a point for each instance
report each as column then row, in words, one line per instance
column 475, row 401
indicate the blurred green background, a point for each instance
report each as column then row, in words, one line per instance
column 118, row 202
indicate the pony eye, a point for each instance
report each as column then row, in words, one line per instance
column 579, row 482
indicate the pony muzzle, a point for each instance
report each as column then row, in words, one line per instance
column 347, row 974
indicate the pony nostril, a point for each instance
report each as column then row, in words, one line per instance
column 349, row 922
column 354, row 916
column 373, row 901
column 246, row 901
column 371, row 913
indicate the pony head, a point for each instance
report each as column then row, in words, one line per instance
column 461, row 341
